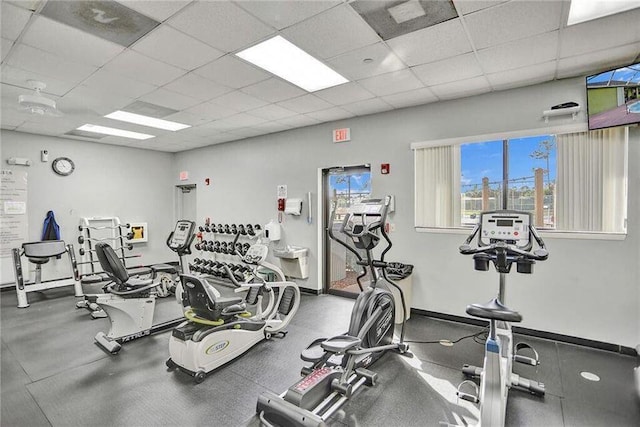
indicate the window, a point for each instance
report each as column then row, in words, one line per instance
column 569, row 182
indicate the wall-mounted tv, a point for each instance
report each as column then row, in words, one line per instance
column 613, row 97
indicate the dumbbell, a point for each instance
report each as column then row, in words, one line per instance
column 242, row 230
column 197, row 261
column 234, row 229
column 245, row 248
column 216, row 247
column 83, row 251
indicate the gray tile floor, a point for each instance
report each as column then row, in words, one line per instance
column 53, row 374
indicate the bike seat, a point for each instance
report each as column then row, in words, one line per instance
column 494, row 310
column 340, row 343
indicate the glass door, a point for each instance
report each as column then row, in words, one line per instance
column 343, row 187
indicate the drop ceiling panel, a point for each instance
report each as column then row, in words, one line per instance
column 305, row 104
column 187, row 118
column 140, row 67
column 466, row 7
column 520, row 53
column 239, row 101
column 457, row 68
column 159, row 10
column 273, row 90
column 604, row 33
column 13, row 20
column 390, row 83
column 173, row 47
column 109, row 82
column 601, row 60
column 380, row 60
column 283, row 14
column 90, row 101
column 299, row 120
column 197, row 87
column 18, row 77
column 432, row 44
column 246, row 132
column 271, row 127
column 411, row 98
column 513, row 20
column 37, row 60
column 368, row 106
column 12, row 118
column 170, row 99
column 462, row 88
column 232, row 72
column 272, row 112
column 70, row 43
column 5, row 47
column 523, row 76
column 220, row 24
column 344, row 94
column 335, row 113
column 331, row 33
column 244, row 120
column 211, row 111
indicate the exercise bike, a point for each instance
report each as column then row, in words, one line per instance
column 219, row 329
column 129, row 302
column 504, row 238
column 338, row 364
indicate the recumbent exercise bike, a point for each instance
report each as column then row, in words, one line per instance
column 338, row 364
column 504, row 238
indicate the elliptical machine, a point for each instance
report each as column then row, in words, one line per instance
column 218, row 329
column 504, row 238
column 130, row 302
column 338, row 364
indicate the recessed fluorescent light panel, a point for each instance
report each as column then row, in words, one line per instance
column 587, row 10
column 139, row 119
column 286, row 60
column 114, row 132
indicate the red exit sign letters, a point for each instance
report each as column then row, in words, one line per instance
column 342, row 135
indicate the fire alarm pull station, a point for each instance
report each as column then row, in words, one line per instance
column 385, row 168
column 282, row 200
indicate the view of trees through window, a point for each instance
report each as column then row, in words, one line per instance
column 530, row 180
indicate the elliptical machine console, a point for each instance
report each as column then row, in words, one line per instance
column 504, row 238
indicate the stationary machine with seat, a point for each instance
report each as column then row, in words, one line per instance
column 39, row 253
column 338, row 364
column 218, row 329
column 130, row 301
column 504, row 238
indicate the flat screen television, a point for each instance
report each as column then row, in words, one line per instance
column 613, row 97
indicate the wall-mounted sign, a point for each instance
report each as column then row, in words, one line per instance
column 342, row 135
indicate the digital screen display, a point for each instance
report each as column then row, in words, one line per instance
column 504, row 223
column 613, row 97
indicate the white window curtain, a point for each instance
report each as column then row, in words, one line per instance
column 592, row 181
column 437, row 186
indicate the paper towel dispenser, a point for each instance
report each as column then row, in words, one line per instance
column 293, row 207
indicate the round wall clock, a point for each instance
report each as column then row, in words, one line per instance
column 63, row 166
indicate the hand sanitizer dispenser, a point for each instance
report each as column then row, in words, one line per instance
column 272, row 231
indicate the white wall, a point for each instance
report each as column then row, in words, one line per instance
column 109, row 180
column 587, row 288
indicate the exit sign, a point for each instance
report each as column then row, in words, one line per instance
column 342, row 135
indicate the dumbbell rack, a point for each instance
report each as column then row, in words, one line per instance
column 215, row 247
column 96, row 229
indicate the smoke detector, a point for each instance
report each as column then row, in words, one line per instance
column 36, row 103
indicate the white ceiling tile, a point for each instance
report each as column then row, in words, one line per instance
column 70, row 43
column 30, row 5
column 216, row 126
column 109, row 82
column 272, row 112
column 18, row 77
column 513, row 20
column 232, row 72
column 39, row 61
column 283, row 14
column 173, row 47
column 411, row 98
column 5, row 48
column 332, row 32
column 187, row 118
column 305, row 104
column 368, row 106
column 270, row 127
column 170, row 99
column 335, row 113
column 211, row 111
column 246, row 132
column 466, row 7
column 273, row 90
column 520, row 53
column 299, row 120
column 457, row 68
column 352, row 65
column 396, row 82
column 525, row 76
column 609, row 32
column 462, row 88
column 140, row 67
column 90, row 101
column 197, row 87
column 431, row 44
column 156, row 9
column 590, row 63
column 344, row 94
column 238, row 101
column 9, row 91
column 11, row 117
column 13, row 20
column 244, row 120
column 220, row 24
